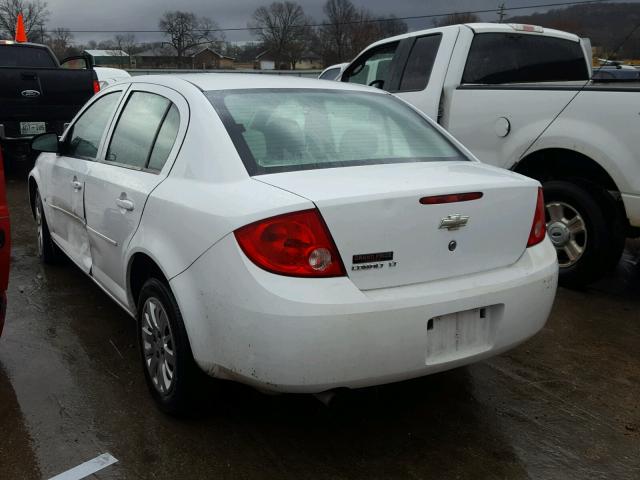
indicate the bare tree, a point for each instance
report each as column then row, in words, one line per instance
column 60, row 40
column 283, row 29
column 34, row 12
column 456, row 18
column 185, row 31
column 125, row 43
column 337, row 29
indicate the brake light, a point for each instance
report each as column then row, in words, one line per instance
column 294, row 244
column 539, row 227
column 452, row 198
column 96, row 86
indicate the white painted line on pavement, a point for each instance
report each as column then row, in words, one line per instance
column 87, row 468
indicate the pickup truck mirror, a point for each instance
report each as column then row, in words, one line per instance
column 377, row 83
column 45, row 142
column 79, row 62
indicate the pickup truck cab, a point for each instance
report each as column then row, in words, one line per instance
column 38, row 94
column 521, row 97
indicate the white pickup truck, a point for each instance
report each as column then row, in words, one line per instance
column 520, row 97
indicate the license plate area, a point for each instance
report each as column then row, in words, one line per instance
column 461, row 334
column 33, row 128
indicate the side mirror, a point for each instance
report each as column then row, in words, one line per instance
column 45, row 142
column 377, row 83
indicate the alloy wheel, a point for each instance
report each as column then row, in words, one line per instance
column 568, row 232
column 158, row 346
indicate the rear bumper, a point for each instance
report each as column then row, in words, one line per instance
column 303, row 335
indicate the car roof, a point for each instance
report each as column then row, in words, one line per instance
column 244, row 81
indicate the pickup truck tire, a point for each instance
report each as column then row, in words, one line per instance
column 170, row 371
column 585, row 227
column 48, row 251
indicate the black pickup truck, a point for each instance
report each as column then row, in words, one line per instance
column 38, row 94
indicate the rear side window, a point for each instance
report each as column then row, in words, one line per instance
column 420, row 63
column 84, row 138
column 373, row 66
column 302, row 129
column 497, row 58
column 138, row 128
column 166, row 139
column 26, row 57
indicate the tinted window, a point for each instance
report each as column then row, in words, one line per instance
column 288, row 130
column 166, row 139
column 20, row 56
column 137, row 128
column 84, row 138
column 508, row 58
column 330, row 74
column 372, row 66
column 418, row 70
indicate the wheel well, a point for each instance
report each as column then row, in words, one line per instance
column 561, row 164
column 142, row 268
column 33, row 186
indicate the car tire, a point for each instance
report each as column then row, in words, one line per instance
column 48, row 251
column 586, row 227
column 165, row 350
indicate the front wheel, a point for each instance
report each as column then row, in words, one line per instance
column 584, row 226
column 169, row 368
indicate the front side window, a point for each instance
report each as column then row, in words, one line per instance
column 497, row 58
column 420, row 63
column 373, row 67
column 330, row 74
column 300, row 129
column 84, row 138
column 139, row 127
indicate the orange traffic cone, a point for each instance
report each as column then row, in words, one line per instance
column 21, row 35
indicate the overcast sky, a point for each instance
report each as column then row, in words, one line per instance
column 143, row 14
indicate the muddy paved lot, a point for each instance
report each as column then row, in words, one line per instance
column 564, row 405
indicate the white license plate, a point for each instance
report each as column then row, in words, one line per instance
column 32, row 128
column 458, row 335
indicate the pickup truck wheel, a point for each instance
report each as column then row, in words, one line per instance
column 48, row 251
column 169, row 369
column 589, row 241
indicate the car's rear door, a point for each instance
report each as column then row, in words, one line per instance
column 138, row 155
column 64, row 193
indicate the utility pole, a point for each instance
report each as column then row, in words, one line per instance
column 501, row 12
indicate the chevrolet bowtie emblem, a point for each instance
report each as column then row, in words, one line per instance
column 453, row 222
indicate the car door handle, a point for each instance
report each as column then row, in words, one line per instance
column 77, row 186
column 124, row 204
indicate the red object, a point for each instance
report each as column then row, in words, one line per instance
column 294, row 244
column 96, row 86
column 5, row 244
column 21, row 34
column 539, row 227
column 453, row 198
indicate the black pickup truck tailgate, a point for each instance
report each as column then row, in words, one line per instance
column 50, row 95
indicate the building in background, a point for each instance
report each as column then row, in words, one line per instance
column 209, row 59
column 109, row 58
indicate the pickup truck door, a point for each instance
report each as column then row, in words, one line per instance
column 416, row 71
column 68, row 172
column 137, row 157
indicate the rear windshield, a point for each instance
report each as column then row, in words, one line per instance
column 520, row 58
column 299, row 129
column 27, row 57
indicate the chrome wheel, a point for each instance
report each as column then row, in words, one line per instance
column 39, row 226
column 568, row 232
column 158, row 346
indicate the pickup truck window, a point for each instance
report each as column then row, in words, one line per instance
column 302, row 129
column 25, row 57
column 86, row 133
column 137, row 129
column 497, row 58
column 373, row 66
column 421, row 59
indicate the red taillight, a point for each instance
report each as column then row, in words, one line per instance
column 539, row 227
column 452, row 198
column 295, row 244
column 96, row 86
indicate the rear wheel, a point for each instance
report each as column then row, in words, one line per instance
column 585, row 228
column 169, row 368
column 48, row 251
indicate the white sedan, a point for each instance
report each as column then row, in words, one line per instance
column 291, row 234
column 108, row 76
